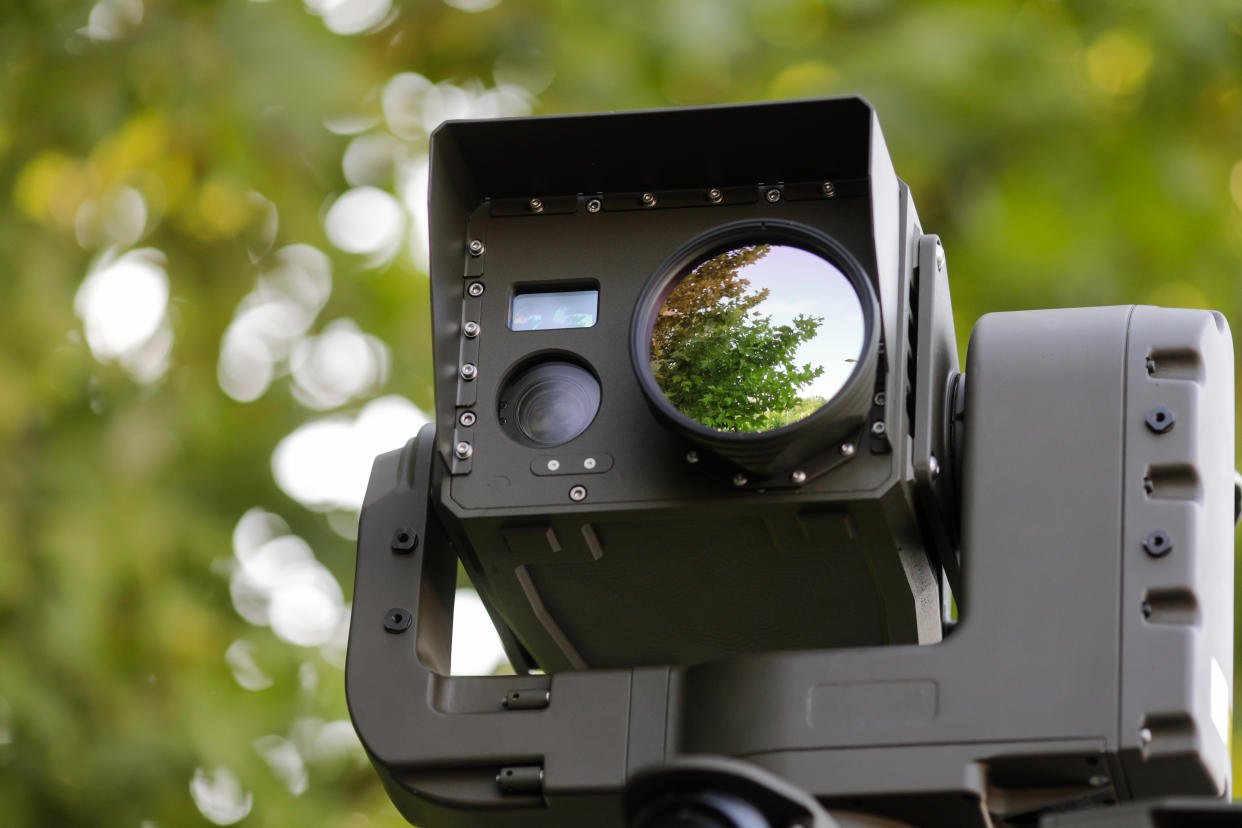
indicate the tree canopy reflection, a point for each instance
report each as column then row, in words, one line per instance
column 725, row 363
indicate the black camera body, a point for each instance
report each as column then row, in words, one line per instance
column 719, row 537
column 563, row 541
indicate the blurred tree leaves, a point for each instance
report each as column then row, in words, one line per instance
column 1067, row 152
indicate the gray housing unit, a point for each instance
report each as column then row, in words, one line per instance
column 1092, row 664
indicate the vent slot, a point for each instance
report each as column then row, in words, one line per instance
column 1175, row 363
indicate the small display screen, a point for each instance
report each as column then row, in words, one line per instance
column 550, row 310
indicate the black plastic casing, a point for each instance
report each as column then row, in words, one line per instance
column 646, row 557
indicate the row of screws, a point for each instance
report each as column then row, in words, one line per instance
column 714, row 195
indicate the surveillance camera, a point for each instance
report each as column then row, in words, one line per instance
column 703, row 445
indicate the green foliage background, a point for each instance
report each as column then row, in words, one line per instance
column 1068, row 153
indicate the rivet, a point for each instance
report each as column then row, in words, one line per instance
column 648, row 199
column 829, row 189
column 740, row 480
column 578, row 494
column 773, row 195
column 476, row 248
column 714, row 195
column 594, row 205
column 847, row 449
column 554, row 464
column 467, row 419
column 797, row 477
column 588, row 463
column 475, row 289
column 535, row 205
column 463, row 450
column 880, row 398
column 878, row 428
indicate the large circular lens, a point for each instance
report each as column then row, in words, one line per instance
column 549, row 404
column 756, row 337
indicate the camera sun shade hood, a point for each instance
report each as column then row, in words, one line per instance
column 559, row 157
column 1087, row 670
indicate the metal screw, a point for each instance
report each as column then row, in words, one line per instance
column 1160, row 419
column 475, row 289
column 463, row 450
column 404, row 539
column 692, row 457
column 594, row 205
column 934, row 466
column 397, row 620
column 714, row 195
column 470, row 329
column 880, row 398
column 476, row 248
column 578, row 494
column 469, row 371
column 536, row 205
column 554, row 464
column 829, row 189
column 939, row 257
column 878, row 428
column 1158, row 544
column 467, row 419
column 847, row 449
column 740, row 480
column 649, row 199
column 773, row 195
column 1144, row 735
column 588, row 463
column 798, row 477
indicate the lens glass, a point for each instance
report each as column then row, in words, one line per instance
column 758, row 337
column 550, row 403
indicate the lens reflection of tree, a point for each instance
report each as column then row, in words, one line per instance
column 724, row 364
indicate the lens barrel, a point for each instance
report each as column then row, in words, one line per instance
column 759, row 340
column 548, row 403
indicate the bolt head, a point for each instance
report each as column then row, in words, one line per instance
column 934, row 466
column 594, row 205
column 398, row 620
column 467, row 419
column 1158, row 544
column 463, row 450
column 692, row 457
column 469, row 371
column 773, row 195
column 649, row 199
column 554, row 464
column 589, row 463
column 404, row 539
column 847, row 449
column 880, row 398
column 740, row 480
column 536, row 205
column 829, row 189
column 475, row 289
column 878, row 428
column 578, row 494
column 1159, row 420
column 797, row 477
column 470, row 329
column 714, row 195
column 476, row 248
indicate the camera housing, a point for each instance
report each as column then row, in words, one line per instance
column 810, row 535
column 731, row 609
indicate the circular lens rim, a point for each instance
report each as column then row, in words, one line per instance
column 518, row 382
column 720, row 240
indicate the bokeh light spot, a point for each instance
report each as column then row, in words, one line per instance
column 220, row 796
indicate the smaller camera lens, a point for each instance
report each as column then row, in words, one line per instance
column 552, row 403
